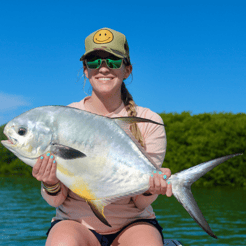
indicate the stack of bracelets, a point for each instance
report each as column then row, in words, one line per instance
column 52, row 190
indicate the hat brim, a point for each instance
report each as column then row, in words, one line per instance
column 111, row 51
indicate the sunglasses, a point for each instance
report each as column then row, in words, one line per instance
column 111, row 63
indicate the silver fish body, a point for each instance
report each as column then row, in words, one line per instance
column 97, row 157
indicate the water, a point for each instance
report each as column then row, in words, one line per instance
column 25, row 216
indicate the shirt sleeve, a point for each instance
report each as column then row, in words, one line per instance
column 57, row 200
column 155, row 145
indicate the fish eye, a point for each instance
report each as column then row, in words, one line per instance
column 22, row 131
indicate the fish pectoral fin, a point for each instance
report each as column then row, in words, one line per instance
column 185, row 197
column 66, row 152
column 97, row 207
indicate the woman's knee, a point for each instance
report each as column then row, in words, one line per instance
column 70, row 233
column 139, row 234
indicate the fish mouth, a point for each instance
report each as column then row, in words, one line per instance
column 9, row 142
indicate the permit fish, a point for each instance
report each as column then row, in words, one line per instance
column 97, row 157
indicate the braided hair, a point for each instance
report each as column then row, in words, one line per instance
column 131, row 111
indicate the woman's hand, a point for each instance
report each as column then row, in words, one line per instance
column 158, row 184
column 45, row 170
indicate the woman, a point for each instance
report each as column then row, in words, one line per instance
column 106, row 64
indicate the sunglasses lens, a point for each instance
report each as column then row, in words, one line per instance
column 94, row 64
column 111, row 63
column 114, row 63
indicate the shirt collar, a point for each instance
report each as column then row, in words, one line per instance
column 112, row 114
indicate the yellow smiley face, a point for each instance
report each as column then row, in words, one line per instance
column 103, row 36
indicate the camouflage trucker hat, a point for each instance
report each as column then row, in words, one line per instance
column 109, row 40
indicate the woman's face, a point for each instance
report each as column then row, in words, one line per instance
column 106, row 81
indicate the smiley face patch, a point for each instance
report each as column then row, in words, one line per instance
column 103, row 36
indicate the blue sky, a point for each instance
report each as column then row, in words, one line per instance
column 186, row 55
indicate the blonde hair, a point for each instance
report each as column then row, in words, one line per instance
column 131, row 111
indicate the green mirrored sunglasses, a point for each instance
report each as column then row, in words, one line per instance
column 95, row 64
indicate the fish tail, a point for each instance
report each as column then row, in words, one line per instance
column 181, row 188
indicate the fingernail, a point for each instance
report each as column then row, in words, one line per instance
column 155, row 171
column 152, row 175
column 48, row 154
column 160, row 172
column 51, row 157
column 165, row 176
column 54, row 161
column 168, row 183
column 41, row 157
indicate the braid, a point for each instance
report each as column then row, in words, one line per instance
column 131, row 111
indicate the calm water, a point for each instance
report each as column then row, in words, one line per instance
column 25, row 216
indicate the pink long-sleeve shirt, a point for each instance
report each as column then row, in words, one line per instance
column 120, row 213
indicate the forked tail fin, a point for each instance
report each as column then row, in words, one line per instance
column 181, row 188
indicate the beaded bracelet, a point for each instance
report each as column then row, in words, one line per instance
column 52, row 190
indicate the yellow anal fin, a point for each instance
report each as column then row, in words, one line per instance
column 98, row 208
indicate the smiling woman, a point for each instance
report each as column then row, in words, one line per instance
column 130, row 219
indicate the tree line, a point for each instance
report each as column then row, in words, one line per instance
column 191, row 140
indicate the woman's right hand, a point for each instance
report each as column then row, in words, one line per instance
column 45, row 170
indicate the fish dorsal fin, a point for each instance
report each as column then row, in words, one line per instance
column 125, row 122
column 131, row 120
column 97, row 206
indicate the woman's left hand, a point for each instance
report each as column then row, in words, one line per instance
column 158, row 184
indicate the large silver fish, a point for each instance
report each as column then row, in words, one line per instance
column 97, row 157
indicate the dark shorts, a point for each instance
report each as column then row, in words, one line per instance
column 106, row 240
